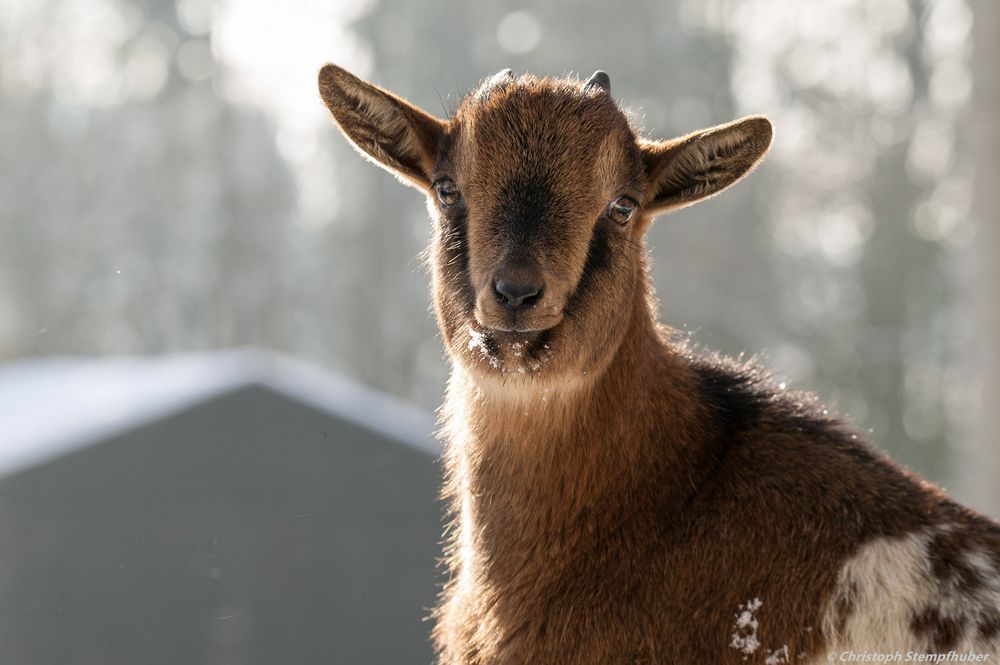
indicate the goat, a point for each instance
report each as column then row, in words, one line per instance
column 617, row 495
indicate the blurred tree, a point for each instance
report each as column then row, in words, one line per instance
column 172, row 182
column 980, row 461
column 867, row 209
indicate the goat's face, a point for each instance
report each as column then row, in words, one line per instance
column 535, row 194
column 541, row 192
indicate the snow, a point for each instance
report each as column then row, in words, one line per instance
column 778, row 656
column 744, row 637
column 745, row 640
column 477, row 340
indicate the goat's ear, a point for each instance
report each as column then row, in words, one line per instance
column 694, row 167
column 387, row 129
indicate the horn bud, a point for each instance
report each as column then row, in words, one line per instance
column 498, row 81
column 599, row 80
column 502, row 76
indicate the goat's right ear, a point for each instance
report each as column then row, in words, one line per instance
column 387, row 129
column 700, row 165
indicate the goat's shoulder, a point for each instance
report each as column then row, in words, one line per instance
column 891, row 559
column 763, row 434
column 769, row 450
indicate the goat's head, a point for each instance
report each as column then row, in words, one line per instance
column 541, row 191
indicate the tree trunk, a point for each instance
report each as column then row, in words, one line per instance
column 981, row 477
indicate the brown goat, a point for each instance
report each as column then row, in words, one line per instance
column 616, row 496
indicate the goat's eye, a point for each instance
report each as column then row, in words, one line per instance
column 621, row 209
column 447, row 192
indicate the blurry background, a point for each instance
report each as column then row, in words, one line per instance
column 172, row 182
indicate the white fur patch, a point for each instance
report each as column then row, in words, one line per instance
column 890, row 582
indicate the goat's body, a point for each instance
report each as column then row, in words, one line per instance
column 682, row 510
column 616, row 498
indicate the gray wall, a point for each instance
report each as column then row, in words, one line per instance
column 249, row 529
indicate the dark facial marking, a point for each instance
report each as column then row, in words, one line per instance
column 598, row 260
column 523, row 210
column 455, row 254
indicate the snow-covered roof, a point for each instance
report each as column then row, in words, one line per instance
column 51, row 406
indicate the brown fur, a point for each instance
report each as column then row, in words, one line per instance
column 618, row 497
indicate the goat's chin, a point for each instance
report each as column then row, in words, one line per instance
column 516, row 353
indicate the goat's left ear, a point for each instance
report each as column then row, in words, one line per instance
column 387, row 129
column 695, row 167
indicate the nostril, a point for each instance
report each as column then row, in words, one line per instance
column 517, row 294
column 499, row 289
column 533, row 297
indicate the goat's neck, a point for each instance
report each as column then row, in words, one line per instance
column 528, row 475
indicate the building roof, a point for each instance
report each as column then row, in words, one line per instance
column 55, row 405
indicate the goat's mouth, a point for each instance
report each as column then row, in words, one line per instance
column 506, row 321
column 513, row 336
column 512, row 327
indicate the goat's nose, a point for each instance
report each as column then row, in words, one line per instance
column 517, row 293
